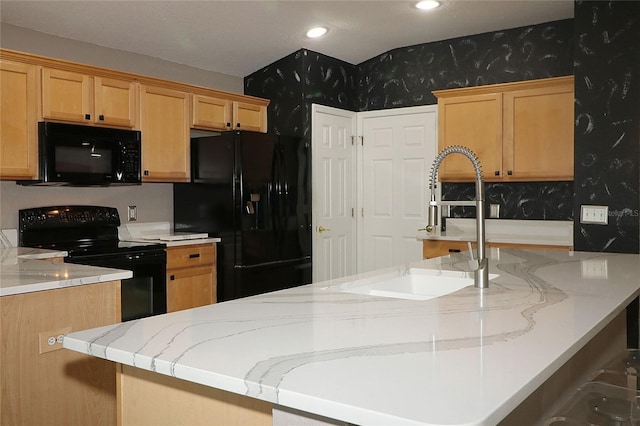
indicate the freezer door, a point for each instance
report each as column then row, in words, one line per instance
column 264, row 278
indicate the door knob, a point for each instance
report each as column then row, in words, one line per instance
column 323, row 229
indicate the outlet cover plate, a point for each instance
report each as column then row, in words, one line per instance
column 598, row 215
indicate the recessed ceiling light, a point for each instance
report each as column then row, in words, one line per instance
column 427, row 4
column 316, row 32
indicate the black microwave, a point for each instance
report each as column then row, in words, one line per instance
column 72, row 154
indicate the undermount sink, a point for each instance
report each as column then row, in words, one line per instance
column 415, row 284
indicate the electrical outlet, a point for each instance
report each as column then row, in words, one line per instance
column 133, row 213
column 594, row 214
column 52, row 340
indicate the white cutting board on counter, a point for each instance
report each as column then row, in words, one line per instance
column 156, row 231
column 174, row 236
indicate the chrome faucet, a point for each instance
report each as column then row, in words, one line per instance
column 480, row 265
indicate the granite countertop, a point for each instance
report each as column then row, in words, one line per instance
column 469, row 357
column 149, row 231
column 23, row 271
column 537, row 232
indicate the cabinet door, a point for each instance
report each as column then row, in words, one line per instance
column 18, row 121
column 248, row 116
column 474, row 122
column 538, row 133
column 437, row 248
column 164, row 116
column 190, row 287
column 115, row 102
column 66, row 96
column 211, row 113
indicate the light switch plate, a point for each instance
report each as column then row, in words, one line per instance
column 594, row 214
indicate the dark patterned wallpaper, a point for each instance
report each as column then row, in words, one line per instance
column 406, row 76
column 295, row 82
column 607, row 134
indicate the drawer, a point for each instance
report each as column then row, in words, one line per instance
column 194, row 255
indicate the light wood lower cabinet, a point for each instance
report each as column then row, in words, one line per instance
column 42, row 384
column 191, row 276
column 437, row 248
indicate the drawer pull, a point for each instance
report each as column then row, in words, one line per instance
column 194, row 255
column 454, row 250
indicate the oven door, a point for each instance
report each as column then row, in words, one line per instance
column 143, row 295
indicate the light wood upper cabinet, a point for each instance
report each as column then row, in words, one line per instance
column 164, row 119
column 18, row 120
column 115, row 102
column 250, row 116
column 80, row 98
column 213, row 113
column 476, row 123
column 520, row 131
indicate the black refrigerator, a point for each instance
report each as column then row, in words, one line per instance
column 253, row 190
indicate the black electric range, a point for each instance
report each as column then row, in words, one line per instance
column 90, row 235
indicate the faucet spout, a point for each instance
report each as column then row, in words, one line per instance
column 481, row 269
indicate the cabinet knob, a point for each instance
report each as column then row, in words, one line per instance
column 510, row 172
column 228, row 124
column 146, row 172
column 87, row 116
column 238, row 125
column 172, row 277
column 497, row 173
column 101, row 117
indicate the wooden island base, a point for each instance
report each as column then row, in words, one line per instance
column 148, row 398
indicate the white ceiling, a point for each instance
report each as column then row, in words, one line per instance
column 240, row 37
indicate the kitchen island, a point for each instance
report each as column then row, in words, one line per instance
column 40, row 301
column 469, row 357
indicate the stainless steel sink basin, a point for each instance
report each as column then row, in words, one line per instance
column 415, row 284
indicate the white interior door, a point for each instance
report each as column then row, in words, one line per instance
column 398, row 149
column 334, row 196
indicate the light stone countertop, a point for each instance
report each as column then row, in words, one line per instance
column 469, row 357
column 22, row 270
column 537, row 232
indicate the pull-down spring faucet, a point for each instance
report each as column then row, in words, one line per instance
column 480, row 265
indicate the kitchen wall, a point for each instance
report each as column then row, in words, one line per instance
column 154, row 200
column 602, row 42
column 298, row 80
column 406, row 76
column 607, row 134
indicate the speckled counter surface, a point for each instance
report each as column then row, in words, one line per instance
column 25, row 269
column 469, row 357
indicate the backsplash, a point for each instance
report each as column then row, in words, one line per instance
column 154, row 200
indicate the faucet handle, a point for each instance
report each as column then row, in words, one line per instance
column 473, row 263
